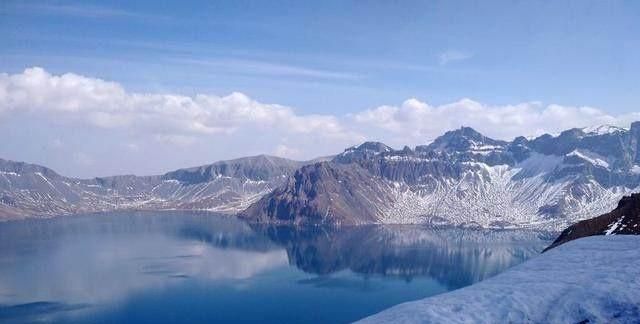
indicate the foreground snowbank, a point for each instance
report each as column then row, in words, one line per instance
column 594, row 278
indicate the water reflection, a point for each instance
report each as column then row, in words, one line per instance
column 94, row 263
column 455, row 257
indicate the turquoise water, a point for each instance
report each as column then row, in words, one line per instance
column 169, row 267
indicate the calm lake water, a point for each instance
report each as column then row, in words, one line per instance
column 168, row 267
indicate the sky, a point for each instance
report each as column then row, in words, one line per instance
column 144, row 87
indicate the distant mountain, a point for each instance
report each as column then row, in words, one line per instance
column 624, row 220
column 465, row 178
column 462, row 178
column 28, row 190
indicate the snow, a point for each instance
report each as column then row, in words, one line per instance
column 404, row 158
column 602, row 130
column 635, row 169
column 45, row 179
column 613, row 226
column 173, row 181
column 590, row 157
column 594, row 279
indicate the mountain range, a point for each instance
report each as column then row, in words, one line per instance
column 28, row 190
column 462, row 178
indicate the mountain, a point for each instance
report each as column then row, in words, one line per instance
column 625, row 219
column 324, row 192
column 465, row 178
column 462, row 178
column 28, row 190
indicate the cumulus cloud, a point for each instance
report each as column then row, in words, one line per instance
column 417, row 122
column 171, row 118
column 153, row 132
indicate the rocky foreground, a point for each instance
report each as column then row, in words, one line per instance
column 625, row 219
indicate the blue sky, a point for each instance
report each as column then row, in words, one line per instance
column 335, row 58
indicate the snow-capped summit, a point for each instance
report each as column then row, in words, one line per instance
column 363, row 151
column 465, row 139
column 602, row 130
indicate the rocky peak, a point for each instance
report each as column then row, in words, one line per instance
column 25, row 168
column 464, row 139
column 365, row 150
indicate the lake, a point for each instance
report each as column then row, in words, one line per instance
column 167, row 267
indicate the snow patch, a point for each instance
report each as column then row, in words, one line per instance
column 593, row 158
column 613, row 226
column 602, row 130
column 593, row 279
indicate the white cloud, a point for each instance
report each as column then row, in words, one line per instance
column 448, row 56
column 285, row 151
column 81, row 10
column 416, row 122
column 272, row 69
column 153, row 132
column 169, row 117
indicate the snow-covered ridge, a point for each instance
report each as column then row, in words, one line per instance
column 593, row 158
column 465, row 178
column 593, row 279
column 228, row 186
column 603, row 130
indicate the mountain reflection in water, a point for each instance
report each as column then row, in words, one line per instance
column 109, row 267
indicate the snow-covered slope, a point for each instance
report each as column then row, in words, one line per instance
column 590, row 280
column 28, row 190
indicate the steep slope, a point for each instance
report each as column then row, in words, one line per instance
column 324, row 193
column 226, row 186
column 466, row 178
column 625, row 219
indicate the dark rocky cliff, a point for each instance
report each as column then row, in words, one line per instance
column 324, row 192
column 625, row 219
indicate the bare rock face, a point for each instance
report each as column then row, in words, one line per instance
column 625, row 219
column 324, row 193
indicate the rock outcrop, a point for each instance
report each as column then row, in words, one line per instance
column 625, row 219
